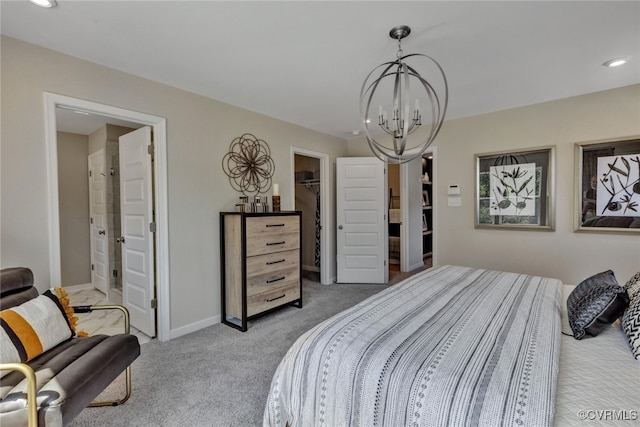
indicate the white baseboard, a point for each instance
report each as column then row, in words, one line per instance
column 184, row 330
column 415, row 266
column 78, row 287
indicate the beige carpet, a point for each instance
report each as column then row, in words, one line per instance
column 219, row 376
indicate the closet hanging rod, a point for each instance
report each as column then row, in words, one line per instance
column 309, row 182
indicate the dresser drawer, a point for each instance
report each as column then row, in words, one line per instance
column 264, row 272
column 269, row 243
column 258, row 226
column 267, row 300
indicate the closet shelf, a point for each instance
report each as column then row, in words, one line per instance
column 308, row 182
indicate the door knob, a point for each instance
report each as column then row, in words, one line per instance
column 339, row 227
column 101, row 232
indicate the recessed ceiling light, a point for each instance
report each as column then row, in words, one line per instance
column 615, row 62
column 45, row 3
column 355, row 132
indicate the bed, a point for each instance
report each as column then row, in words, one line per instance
column 450, row 346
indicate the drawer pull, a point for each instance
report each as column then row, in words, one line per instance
column 274, row 225
column 277, row 279
column 276, row 243
column 275, row 262
column 273, row 299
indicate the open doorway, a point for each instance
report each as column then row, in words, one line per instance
column 309, row 178
column 89, row 200
column 428, row 198
column 395, row 221
column 57, row 106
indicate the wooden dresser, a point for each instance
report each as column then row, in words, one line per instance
column 261, row 264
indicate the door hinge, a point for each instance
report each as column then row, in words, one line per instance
column 150, row 149
column 154, row 303
column 90, row 173
column 93, row 267
column 152, row 227
column 115, row 273
column 91, row 220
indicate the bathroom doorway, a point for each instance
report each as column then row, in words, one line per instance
column 57, row 106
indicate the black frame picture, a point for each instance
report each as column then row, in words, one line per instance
column 607, row 186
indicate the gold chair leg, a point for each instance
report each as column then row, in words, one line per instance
column 127, row 330
column 32, row 404
column 127, row 373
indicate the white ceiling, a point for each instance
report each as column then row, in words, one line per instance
column 304, row 62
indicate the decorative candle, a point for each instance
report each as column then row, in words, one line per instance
column 276, row 190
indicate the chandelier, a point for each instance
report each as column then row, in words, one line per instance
column 389, row 140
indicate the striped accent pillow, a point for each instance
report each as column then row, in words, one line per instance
column 633, row 286
column 32, row 328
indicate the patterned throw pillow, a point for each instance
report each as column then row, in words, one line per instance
column 631, row 325
column 595, row 303
column 633, row 286
column 32, row 328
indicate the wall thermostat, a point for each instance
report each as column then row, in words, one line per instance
column 453, row 189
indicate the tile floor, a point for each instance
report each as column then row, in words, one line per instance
column 100, row 321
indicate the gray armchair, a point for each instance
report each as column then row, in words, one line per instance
column 65, row 379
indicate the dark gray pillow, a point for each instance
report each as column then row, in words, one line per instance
column 595, row 304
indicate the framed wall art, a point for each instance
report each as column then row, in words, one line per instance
column 515, row 190
column 607, row 186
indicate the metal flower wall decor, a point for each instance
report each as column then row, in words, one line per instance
column 249, row 165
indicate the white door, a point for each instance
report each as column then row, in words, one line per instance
column 361, row 185
column 98, row 221
column 136, row 216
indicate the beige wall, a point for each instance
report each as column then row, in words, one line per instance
column 564, row 254
column 199, row 131
column 98, row 139
column 73, row 191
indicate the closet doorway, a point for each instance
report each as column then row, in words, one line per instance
column 309, row 178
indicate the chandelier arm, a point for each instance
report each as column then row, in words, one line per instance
column 372, row 87
column 435, row 107
column 429, row 87
column 446, row 86
column 397, row 100
column 404, row 107
column 439, row 113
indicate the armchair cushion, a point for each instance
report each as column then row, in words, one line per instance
column 32, row 328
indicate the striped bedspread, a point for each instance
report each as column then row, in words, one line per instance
column 451, row 346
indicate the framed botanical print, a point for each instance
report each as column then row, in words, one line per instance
column 607, row 186
column 515, row 189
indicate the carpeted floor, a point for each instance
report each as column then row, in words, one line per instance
column 219, row 376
